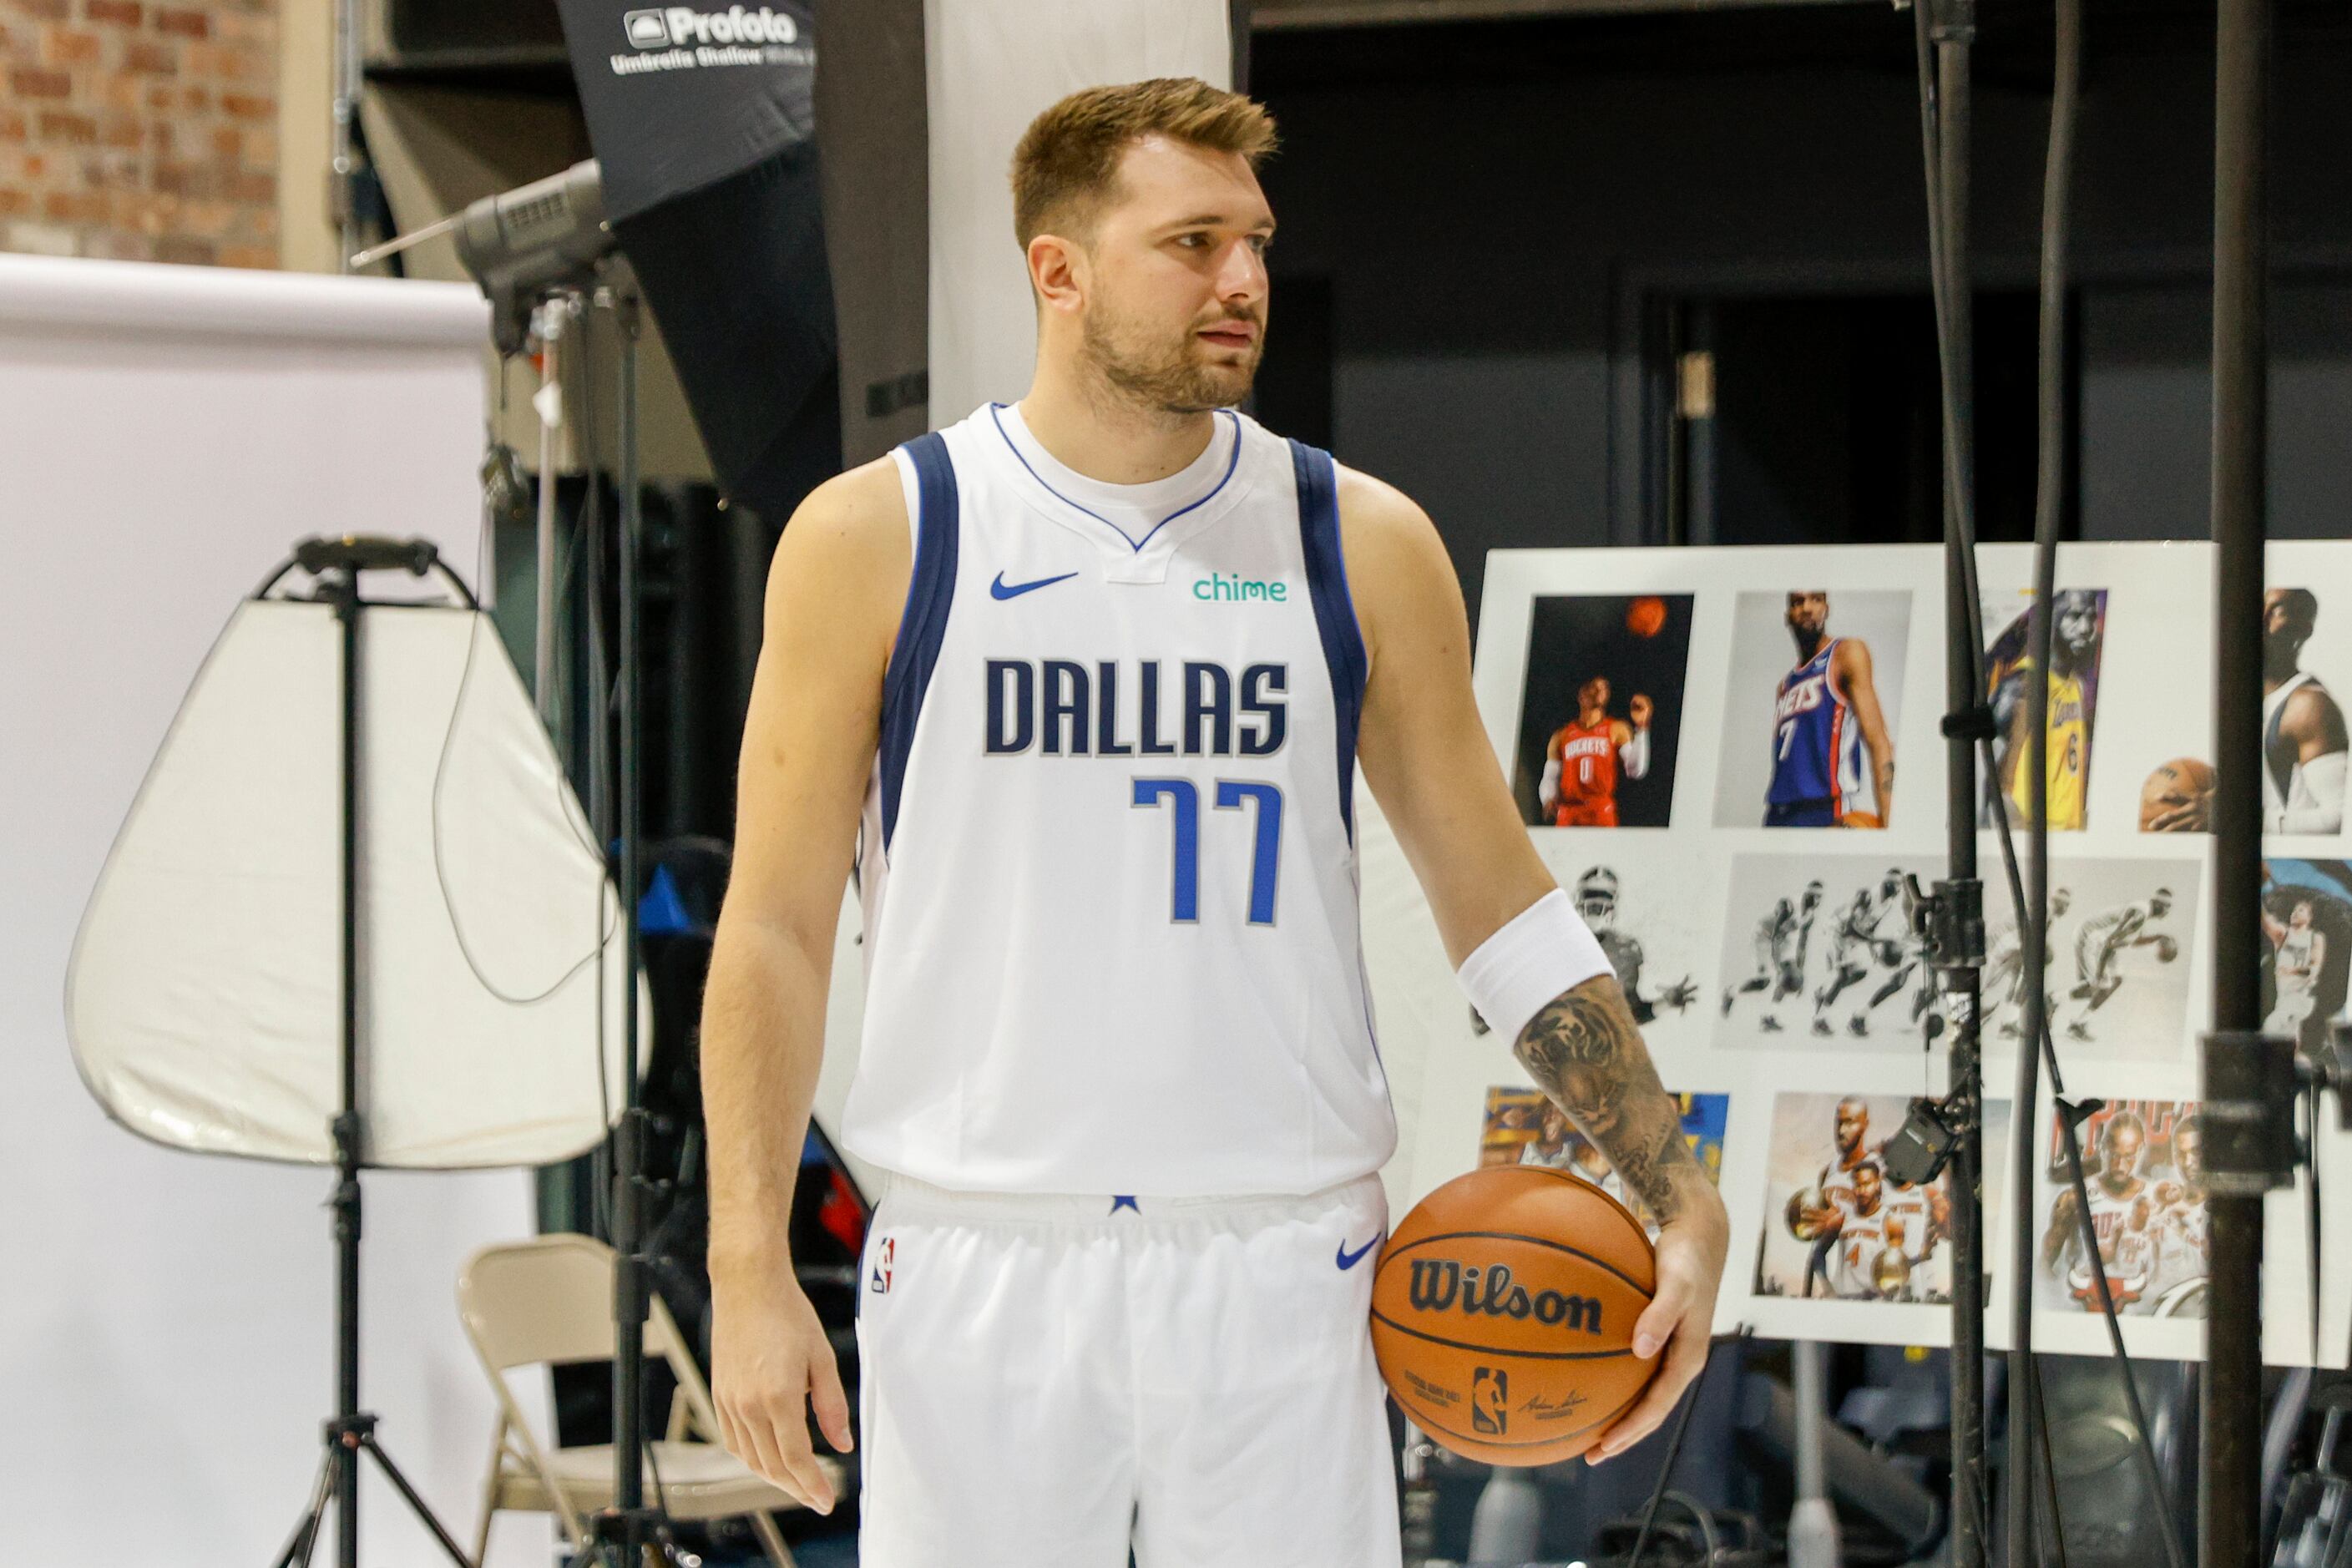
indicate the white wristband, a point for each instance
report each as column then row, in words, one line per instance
column 1543, row 951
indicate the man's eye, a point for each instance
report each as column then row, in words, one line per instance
column 1194, row 240
column 1262, row 243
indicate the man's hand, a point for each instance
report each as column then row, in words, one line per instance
column 1681, row 1316
column 769, row 1366
column 1639, row 710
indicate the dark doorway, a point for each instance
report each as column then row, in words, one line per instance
column 1816, row 420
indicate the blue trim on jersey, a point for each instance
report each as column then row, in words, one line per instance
column 1800, row 814
column 1334, row 610
column 1133, row 543
column 923, row 623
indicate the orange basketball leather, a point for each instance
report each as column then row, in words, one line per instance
column 1503, row 1315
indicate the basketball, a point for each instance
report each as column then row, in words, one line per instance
column 1503, row 1315
column 1646, row 617
column 2171, row 785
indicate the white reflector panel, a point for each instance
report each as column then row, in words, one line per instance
column 203, row 1001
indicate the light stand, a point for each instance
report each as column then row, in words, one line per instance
column 630, row 1522
column 534, row 250
column 1954, row 914
column 2237, row 1058
column 352, row 1432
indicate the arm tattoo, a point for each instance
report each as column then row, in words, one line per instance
column 1583, row 1050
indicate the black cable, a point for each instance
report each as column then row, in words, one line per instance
column 1674, row 1447
column 2049, row 1466
column 1943, row 215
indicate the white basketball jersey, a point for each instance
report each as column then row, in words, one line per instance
column 1108, row 858
column 2280, row 793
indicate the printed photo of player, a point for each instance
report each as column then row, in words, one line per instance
column 1872, row 937
column 1554, row 1142
column 2305, row 743
column 2144, row 1168
column 1596, row 900
column 1782, row 938
column 2307, row 920
column 1836, row 1227
column 1814, row 745
column 2101, row 942
column 1601, row 711
column 2115, row 985
column 2076, row 640
column 1585, row 756
column 1822, row 943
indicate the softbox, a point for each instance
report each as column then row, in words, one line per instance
column 701, row 118
column 203, row 998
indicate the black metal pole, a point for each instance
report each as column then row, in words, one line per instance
column 628, row 1217
column 2026, row 1415
column 2229, row 1532
column 346, row 1201
column 1949, row 27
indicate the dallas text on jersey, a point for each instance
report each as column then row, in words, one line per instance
column 1064, row 707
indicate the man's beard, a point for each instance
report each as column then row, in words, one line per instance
column 1164, row 376
column 2282, row 649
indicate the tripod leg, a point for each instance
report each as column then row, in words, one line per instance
column 416, row 1504
column 306, row 1529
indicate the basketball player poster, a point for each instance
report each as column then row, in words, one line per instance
column 1523, row 1127
column 1641, row 907
column 2119, row 960
column 2305, row 745
column 1836, row 1227
column 1814, row 706
column 1601, row 716
column 2307, row 947
column 2144, row 1167
column 1819, row 953
column 2077, row 638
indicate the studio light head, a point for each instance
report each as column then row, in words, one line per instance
column 523, row 243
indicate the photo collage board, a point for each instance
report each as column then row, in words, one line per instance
column 1730, row 759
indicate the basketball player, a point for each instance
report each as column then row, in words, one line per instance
column 2304, row 742
column 2301, row 951
column 1596, row 901
column 2183, row 1254
column 2004, row 975
column 1902, row 955
column 2073, row 643
column 1583, row 755
column 1557, row 1148
column 1080, row 684
column 1871, row 1227
column 2119, row 1220
column 1781, row 937
column 1849, row 1135
column 2100, row 941
column 1852, row 944
column 1825, row 716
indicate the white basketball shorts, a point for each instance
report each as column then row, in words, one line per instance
column 1049, row 1380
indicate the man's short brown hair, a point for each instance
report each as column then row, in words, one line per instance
column 1067, row 161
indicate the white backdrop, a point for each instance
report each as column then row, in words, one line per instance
column 167, row 1346
column 992, row 66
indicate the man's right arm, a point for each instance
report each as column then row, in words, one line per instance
column 834, row 595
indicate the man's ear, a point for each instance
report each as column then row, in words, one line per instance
column 1057, row 271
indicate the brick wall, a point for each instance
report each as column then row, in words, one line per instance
column 138, row 131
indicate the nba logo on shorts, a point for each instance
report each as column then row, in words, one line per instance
column 881, row 1286
column 1489, row 1388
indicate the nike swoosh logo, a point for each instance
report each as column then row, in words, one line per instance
column 1349, row 1259
column 1003, row 589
